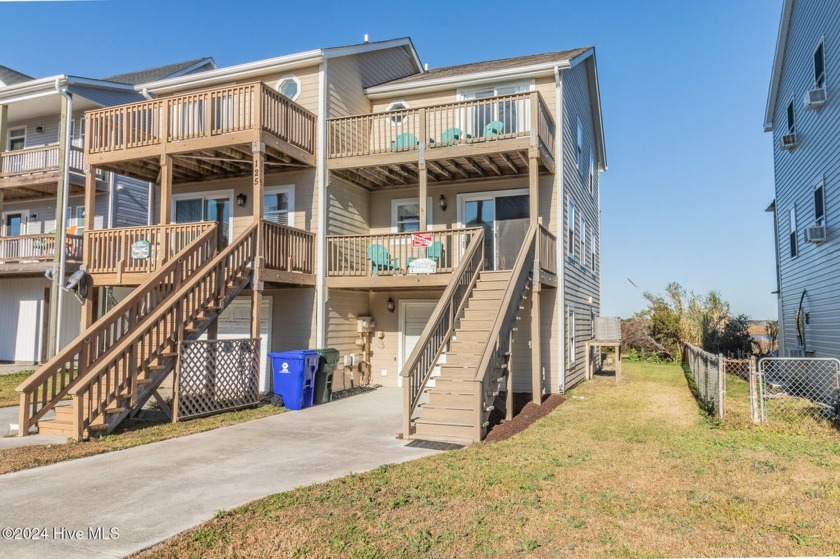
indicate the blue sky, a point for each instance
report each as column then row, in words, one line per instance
column 683, row 85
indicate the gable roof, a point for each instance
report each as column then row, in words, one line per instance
column 492, row 65
column 161, row 72
column 8, row 76
column 778, row 62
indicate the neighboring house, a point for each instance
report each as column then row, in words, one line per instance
column 417, row 221
column 803, row 115
column 42, row 136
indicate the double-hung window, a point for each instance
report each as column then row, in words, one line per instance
column 583, row 241
column 792, row 232
column 405, row 215
column 819, row 65
column 571, row 230
column 17, row 139
column 570, row 335
column 819, row 202
column 279, row 204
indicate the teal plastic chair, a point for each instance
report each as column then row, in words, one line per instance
column 450, row 135
column 434, row 252
column 380, row 259
column 406, row 140
column 495, row 128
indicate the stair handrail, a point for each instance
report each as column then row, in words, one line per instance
column 499, row 341
column 41, row 391
column 165, row 327
column 433, row 340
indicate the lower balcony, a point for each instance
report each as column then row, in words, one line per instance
column 128, row 255
column 33, row 254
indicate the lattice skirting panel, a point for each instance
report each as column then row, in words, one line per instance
column 215, row 376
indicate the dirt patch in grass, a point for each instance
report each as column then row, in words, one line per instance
column 128, row 434
column 8, row 383
column 604, row 475
column 527, row 412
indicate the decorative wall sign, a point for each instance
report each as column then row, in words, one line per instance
column 422, row 266
column 141, row 250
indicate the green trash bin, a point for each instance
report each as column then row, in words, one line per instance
column 324, row 375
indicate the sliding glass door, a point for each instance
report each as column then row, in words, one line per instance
column 206, row 208
column 504, row 218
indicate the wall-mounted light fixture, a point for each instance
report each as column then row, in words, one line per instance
column 442, row 202
column 391, row 305
column 241, row 199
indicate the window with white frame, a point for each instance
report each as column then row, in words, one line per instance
column 592, row 252
column 819, row 65
column 405, row 215
column 17, row 139
column 591, row 174
column 570, row 335
column 289, row 86
column 279, row 204
column 583, row 241
column 580, row 147
column 819, row 202
column 75, row 217
column 396, row 107
column 493, row 118
column 792, row 232
column 571, row 230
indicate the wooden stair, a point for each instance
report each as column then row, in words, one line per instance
column 125, row 377
column 449, row 415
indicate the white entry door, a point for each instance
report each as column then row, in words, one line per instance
column 414, row 315
column 235, row 323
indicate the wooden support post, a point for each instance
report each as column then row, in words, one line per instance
column 60, row 227
column 509, row 384
column 89, row 304
column 423, row 173
column 259, row 258
column 536, row 336
column 165, row 189
column 4, row 127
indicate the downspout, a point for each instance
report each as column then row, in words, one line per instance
column 62, row 233
column 321, row 159
column 560, row 312
column 145, row 93
column 150, row 214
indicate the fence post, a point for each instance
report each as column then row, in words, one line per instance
column 721, row 384
column 753, row 406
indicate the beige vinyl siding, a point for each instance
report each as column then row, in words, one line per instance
column 293, row 319
column 348, row 76
column 580, row 282
column 44, row 209
column 347, row 210
column 816, row 269
column 343, row 308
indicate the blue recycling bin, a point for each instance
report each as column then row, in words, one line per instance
column 294, row 377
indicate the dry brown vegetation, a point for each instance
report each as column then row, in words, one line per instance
column 630, row 470
column 129, row 434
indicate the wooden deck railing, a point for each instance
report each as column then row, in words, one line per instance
column 465, row 122
column 109, row 250
column 38, row 248
column 206, row 291
column 548, row 251
column 54, row 380
column 391, row 253
column 436, row 335
column 287, row 248
column 39, row 159
column 204, row 114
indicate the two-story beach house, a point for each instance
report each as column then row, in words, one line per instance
column 439, row 228
column 803, row 115
column 42, row 136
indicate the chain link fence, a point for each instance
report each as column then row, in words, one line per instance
column 707, row 376
column 791, row 390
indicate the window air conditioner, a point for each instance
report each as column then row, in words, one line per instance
column 815, row 98
column 789, row 141
column 815, row 234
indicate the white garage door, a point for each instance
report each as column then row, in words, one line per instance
column 235, row 322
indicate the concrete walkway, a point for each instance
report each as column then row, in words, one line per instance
column 9, row 416
column 152, row 492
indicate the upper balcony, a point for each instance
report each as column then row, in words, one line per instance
column 209, row 134
column 33, row 254
column 480, row 138
column 34, row 172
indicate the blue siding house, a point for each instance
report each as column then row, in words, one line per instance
column 803, row 114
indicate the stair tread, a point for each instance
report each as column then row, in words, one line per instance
column 445, row 439
column 448, row 422
column 430, row 406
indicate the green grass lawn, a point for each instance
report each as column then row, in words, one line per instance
column 8, row 383
column 632, row 470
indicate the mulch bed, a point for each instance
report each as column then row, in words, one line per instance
column 525, row 414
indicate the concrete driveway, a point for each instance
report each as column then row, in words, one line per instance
column 152, row 492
